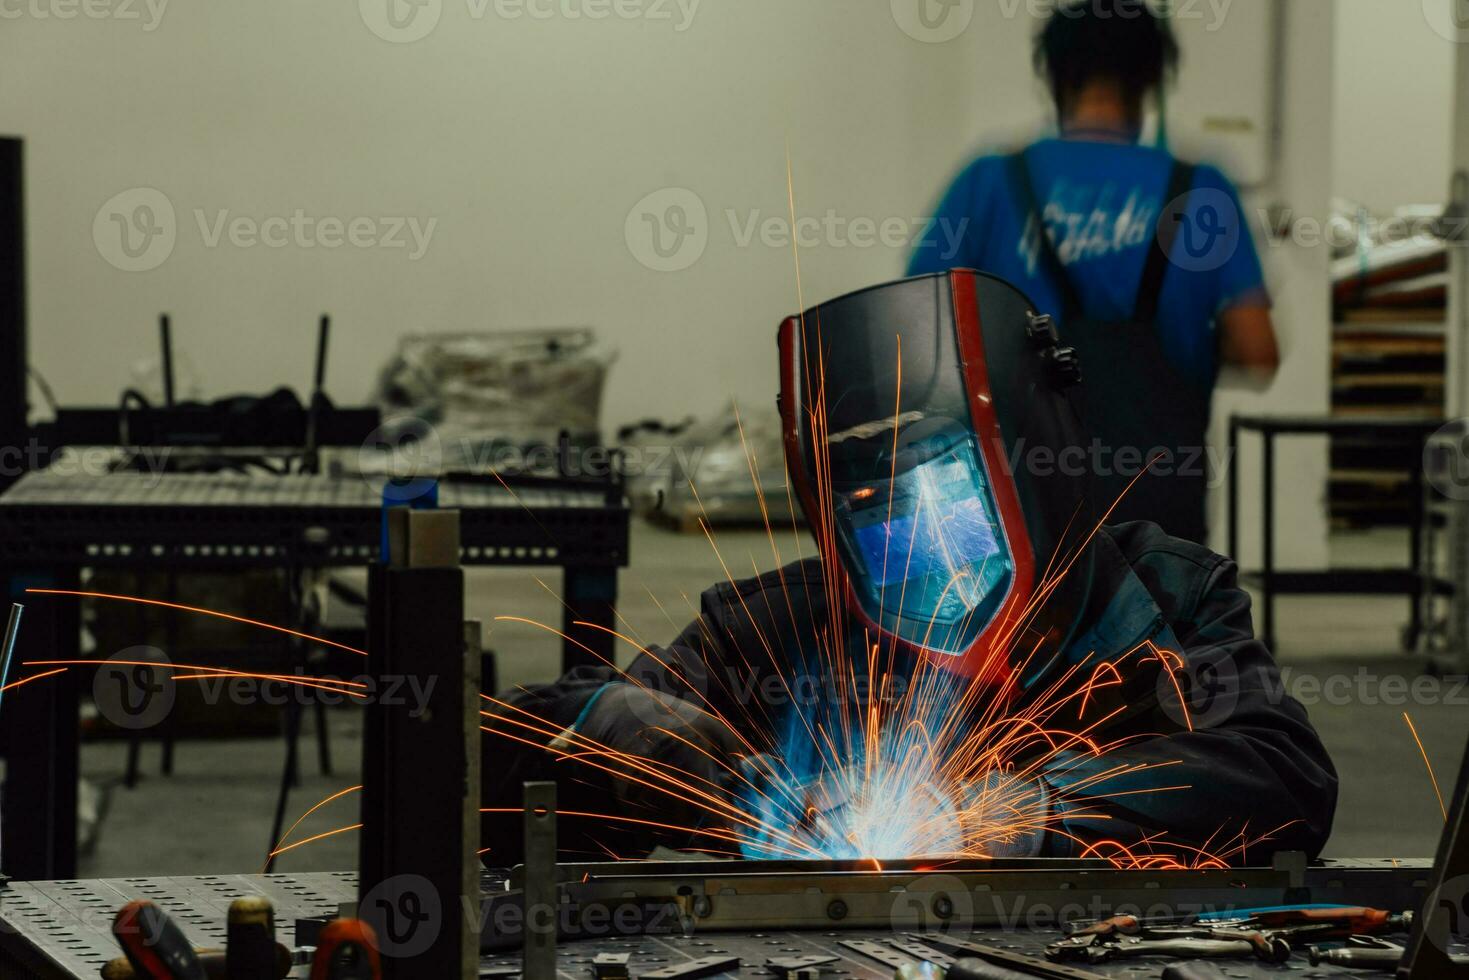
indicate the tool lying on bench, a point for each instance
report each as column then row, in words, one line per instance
column 1268, row 934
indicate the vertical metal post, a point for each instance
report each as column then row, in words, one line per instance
column 1267, row 572
column 590, row 598
column 539, row 932
column 165, row 337
column 14, row 405
column 1417, row 520
column 1446, row 912
column 469, row 815
column 38, row 830
column 418, row 840
column 1232, row 461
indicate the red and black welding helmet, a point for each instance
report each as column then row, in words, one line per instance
column 925, row 424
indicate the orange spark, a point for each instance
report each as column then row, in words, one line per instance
column 1432, row 777
column 202, row 612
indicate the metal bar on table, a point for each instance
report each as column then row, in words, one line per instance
column 539, row 894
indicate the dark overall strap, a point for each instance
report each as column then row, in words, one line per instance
column 1155, row 269
column 1150, row 287
column 1050, row 261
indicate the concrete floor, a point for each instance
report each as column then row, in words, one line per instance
column 213, row 814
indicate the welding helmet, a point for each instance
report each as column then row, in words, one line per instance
column 926, row 424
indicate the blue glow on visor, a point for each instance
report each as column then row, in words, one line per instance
column 931, row 560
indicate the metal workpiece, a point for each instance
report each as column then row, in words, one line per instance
column 539, row 894
column 704, row 966
column 798, row 967
column 879, row 951
column 610, row 966
column 914, row 895
column 422, row 538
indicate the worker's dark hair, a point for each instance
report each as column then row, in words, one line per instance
column 1122, row 40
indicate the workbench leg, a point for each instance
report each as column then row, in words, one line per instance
column 590, row 598
column 1231, row 460
column 1267, row 574
column 1417, row 523
column 38, row 831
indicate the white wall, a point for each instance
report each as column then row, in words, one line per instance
column 528, row 140
column 1394, row 96
column 1299, row 279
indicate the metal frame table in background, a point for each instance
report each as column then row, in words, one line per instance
column 1407, row 581
column 53, row 526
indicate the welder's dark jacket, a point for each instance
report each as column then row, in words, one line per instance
column 1252, row 765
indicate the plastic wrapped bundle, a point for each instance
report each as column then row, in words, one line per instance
column 716, row 458
column 488, row 392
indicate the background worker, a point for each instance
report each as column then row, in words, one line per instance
column 1146, row 262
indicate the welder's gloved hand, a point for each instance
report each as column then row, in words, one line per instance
column 1006, row 816
column 693, row 749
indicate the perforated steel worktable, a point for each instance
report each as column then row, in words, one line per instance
column 53, row 525
column 58, row 930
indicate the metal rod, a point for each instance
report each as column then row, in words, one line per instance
column 165, row 333
column 1232, row 461
column 1267, row 574
column 318, row 395
column 12, row 629
column 323, row 333
column 540, row 882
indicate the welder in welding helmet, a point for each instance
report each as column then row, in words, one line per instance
column 964, row 563
column 911, row 413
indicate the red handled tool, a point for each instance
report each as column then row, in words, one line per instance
column 347, row 950
column 154, row 944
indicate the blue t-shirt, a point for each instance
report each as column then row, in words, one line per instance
column 1101, row 202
